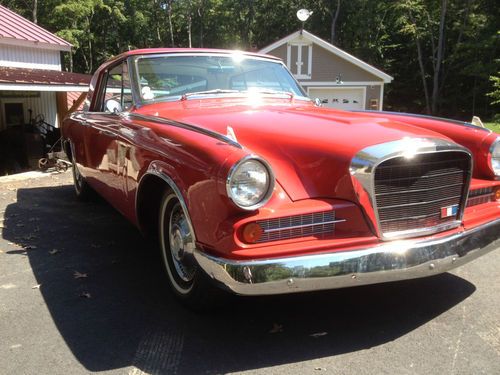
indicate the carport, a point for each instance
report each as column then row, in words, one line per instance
column 33, row 102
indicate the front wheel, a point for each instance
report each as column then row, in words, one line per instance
column 82, row 189
column 177, row 244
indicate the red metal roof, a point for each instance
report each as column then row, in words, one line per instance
column 42, row 77
column 14, row 27
column 72, row 97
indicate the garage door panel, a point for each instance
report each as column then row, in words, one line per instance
column 340, row 98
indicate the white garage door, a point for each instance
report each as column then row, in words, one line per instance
column 340, row 98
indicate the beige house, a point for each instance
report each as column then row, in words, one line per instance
column 326, row 72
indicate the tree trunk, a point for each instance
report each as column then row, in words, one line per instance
column 333, row 25
column 421, row 63
column 169, row 13
column 35, row 11
column 458, row 42
column 439, row 57
column 201, row 14
column 422, row 73
column 189, row 30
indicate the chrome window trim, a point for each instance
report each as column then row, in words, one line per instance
column 270, row 189
column 365, row 162
column 138, row 102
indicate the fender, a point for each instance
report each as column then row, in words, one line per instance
column 156, row 168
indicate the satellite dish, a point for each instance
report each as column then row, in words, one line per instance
column 303, row 15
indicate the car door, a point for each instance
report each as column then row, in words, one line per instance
column 107, row 153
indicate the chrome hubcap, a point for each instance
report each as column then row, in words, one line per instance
column 78, row 177
column 181, row 244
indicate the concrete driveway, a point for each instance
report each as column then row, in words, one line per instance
column 81, row 292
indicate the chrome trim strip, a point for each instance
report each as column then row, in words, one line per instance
column 270, row 189
column 364, row 163
column 389, row 261
column 182, row 125
column 304, row 225
column 153, row 170
column 442, row 119
column 419, row 203
column 415, row 190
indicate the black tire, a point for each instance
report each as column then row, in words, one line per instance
column 188, row 283
column 82, row 189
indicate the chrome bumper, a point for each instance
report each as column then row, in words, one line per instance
column 391, row 261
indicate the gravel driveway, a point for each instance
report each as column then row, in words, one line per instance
column 81, row 292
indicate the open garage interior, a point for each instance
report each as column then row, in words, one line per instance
column 33, row 102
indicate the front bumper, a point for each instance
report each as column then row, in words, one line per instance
column 391, row 261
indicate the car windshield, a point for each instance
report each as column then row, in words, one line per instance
column 174, row 77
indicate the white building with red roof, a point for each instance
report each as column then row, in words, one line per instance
column 32, row 86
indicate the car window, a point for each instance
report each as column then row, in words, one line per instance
column 268, row 78
column 160, row 77
column 117, row 88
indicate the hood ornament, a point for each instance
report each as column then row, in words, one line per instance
column 230, row 134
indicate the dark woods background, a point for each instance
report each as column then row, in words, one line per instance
column 443, row 54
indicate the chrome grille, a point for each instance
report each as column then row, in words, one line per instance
column 411, row 193
column 318, row 224
column 480, row 196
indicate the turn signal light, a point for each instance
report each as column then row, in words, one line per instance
column 497, row 194
column 252, row 233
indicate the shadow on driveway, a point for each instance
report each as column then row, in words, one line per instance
column 131, row 318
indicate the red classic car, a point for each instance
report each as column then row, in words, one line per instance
column 254, row 188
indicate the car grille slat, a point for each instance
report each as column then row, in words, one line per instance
column 480, row 196
column 411, row 193
column 318, row 224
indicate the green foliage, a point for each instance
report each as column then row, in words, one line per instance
column 494, row 126
column 380, row 32
column 495, row 94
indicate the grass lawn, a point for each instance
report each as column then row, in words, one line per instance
column 495, row 126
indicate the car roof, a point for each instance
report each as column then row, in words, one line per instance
column 192, row 50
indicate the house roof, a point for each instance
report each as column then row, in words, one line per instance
column 17, row 30
column 24, row 79
column 71, row 99
column 331, row 48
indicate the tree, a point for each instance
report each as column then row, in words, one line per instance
column 441, row 53
column 495, row 94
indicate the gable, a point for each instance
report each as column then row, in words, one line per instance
column 312, row 58
column 329, row 67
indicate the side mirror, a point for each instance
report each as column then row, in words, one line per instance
column 113, row 106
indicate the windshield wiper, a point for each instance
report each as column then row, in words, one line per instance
column 290, row 94
column 209, row 92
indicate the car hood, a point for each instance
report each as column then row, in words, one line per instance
column 309, row 148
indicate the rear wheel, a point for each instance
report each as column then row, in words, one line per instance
column 177, row 244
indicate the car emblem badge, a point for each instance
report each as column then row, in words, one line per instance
column 449, row 211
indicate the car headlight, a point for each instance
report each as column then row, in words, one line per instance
column 250, row 183
column 495, row 157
